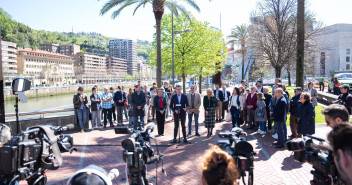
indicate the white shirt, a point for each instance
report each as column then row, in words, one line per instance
column 310, row 91
column 233, row 102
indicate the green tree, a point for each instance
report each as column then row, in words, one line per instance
column 239, row 36
column 158, row 9
column 198, row 52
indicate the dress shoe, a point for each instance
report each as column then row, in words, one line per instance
column 279, row 146
column 275, row 143
column 197, row 134
column 186, row 141
column 174, row 141
column 189, row 134
column 104, row 126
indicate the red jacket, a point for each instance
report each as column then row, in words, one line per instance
column 252, row 100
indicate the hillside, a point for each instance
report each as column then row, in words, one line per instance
column 24, row 36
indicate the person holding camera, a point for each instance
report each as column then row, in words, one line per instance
column 294, row 102
column 335, row 114
column 80, row 104
column 219, row 168
column 306, row 116
column 345, row 98
column 179, row 105
column 340, row 139
column 95, row 107
column 138, row 102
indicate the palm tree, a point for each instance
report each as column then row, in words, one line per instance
column 300, row 44
column 239, row 36
column 158, row 9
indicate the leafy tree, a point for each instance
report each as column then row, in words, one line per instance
column 158, row 9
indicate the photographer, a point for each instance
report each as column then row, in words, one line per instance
column 80, row 104
column 345, row 98
column 219, row 168
column 340, row 139
column 335, row 114
column 5, row 136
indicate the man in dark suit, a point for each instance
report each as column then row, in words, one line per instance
column 259, row 85
column 279, row 116
column 179, row 105
column 119, row 99
column 219, row 99
column 225, row 103
column 138, row 103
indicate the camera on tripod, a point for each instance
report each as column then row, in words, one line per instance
column 320, row 157
column 28, row 155
column 137, row 150
column 242, row 152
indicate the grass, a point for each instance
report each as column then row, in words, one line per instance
column 319, row 118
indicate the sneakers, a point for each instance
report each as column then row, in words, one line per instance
column 263, row 133
column 275, row 136
column 82, row 131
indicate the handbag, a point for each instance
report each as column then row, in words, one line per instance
column 228, row 117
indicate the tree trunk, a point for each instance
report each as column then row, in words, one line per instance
column 278, row 71
column 300, row 44
column 200, row 84
column 242, row 65
column 158, row 16
column 289, row 77
column 184, row 82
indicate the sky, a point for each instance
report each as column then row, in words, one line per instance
column 83, row 15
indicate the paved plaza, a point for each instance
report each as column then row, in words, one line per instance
column 182, row 163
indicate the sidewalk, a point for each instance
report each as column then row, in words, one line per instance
column 182, row 163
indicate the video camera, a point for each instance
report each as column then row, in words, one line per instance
column 242, row 152
column 137, row 151
column 30, row 154
column 93, row 174
column 320, row 157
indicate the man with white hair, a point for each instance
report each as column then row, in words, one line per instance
column 279, row 116
column 194, row 102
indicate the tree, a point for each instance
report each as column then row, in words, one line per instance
column 158, row 9
column 239, row 36
column 300, row 43
column 198, row 52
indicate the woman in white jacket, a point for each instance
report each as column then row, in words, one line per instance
column 235, row 106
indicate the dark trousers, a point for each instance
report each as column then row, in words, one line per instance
column 181, row 117
column 281, row 132
column 293, row 125
column 270, row 122
column 113, row 110
column 107, row 116
column 160, row 120
column 235, row 113
column 225, row 106
column 251, row 115
column 321, row 86
column 119, row 114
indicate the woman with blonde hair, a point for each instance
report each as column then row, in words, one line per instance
column 219, row 168
column 209, row 103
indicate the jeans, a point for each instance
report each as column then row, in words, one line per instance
column 119, row 114
column 135, row 122
column 96, row 114
column 107, row 116
column 262, row 125
column 235, row 117
column 280, row 129
column 82, row 117
column 196, row 116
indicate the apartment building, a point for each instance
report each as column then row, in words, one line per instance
column 9, row 58
column 90, row 68
column 65, row 49
column 116, row 67
column 125, row 49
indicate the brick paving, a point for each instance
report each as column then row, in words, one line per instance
column 181, row 162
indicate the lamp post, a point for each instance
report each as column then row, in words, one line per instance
column 172, row 46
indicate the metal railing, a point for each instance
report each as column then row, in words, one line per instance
column 40, row 112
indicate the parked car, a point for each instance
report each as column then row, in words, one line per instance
column 343, row 78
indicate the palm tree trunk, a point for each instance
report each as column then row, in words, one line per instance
column 158, row 16
column 300, row 44
column 242, row 66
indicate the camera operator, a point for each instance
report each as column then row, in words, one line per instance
column 340, row 139
column 335, row 114
column 219, row 168
column 5, row 136
column 345, row 98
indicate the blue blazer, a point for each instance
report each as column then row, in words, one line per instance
column 174, row 102
column 118, row 96
column 279, row 112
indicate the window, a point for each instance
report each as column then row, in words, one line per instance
column 348, row 67
column 348, row 51
column 347, row 59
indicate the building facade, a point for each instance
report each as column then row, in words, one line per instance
column 45, row 67
column 90, row 68
column 125, row 49
column 9, row 58
column 334, row 49
column 65, row 49
column 116, row 67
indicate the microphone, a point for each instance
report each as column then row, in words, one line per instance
column 113, row 174
column 150, row 127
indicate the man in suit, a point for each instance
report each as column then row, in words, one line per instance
column 179, row 105
column 259, row 85
column 219, row 99
column 267, row 100
column 279, row 116
column 313, row 93
column 138, row 103
column 225, row 103
column 119, row 99
column 294, row 111
column 251, row 103
column 194, row 101
column 125, row 103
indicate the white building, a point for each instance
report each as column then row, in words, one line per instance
column 9, row 57
column 334, row 49
column 125, row 49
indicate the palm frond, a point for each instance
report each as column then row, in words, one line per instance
column 193, row 4
column 110, row 4
column 143, row 2
column 118, row 11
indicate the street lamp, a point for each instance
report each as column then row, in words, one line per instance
column 172, row 44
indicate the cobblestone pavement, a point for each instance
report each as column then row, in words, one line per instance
column 182, row 162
